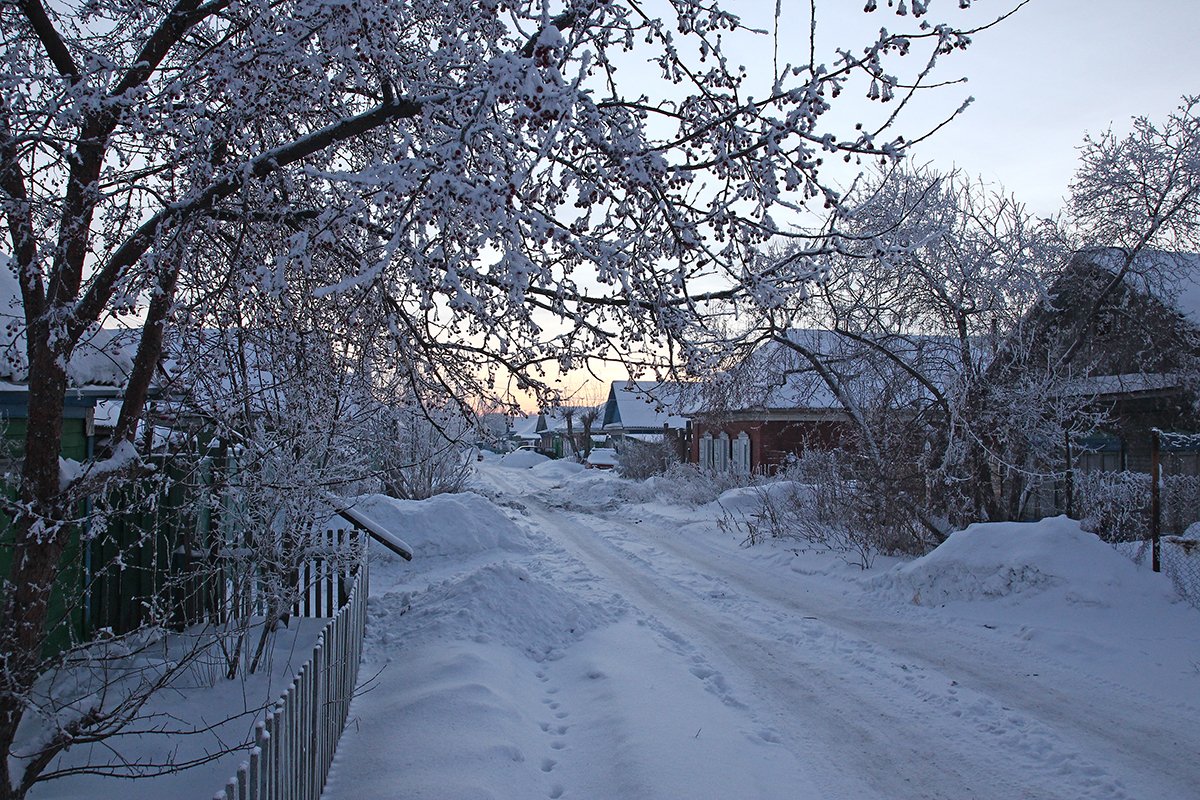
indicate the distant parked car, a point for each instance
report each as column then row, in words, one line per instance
column 602, row 458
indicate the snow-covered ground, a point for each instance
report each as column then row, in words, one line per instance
column 196, row 719
column 563, row 633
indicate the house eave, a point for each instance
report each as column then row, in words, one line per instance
column 780, row 415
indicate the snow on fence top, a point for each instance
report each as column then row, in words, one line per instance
column 1178, row 442
column 376, row 531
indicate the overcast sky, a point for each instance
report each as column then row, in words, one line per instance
column 1041, row 79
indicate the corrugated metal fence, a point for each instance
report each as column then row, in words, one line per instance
column 295, row 742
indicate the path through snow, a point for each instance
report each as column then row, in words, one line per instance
column 587, row 647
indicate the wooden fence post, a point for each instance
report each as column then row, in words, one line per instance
column 1155, row 501
column 252, row 778
column 1070, row 489
column 269, row 746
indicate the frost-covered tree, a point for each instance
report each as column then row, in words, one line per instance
column 937, row 281
column 932, row 277
column 1140, row 197
column 591, row 415
column 956, row 326
column 276, row 380
column 472, row 175
column 1143, row 190
column 422, row 448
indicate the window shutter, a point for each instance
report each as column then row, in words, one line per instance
column 741, row 454
column 706, row 451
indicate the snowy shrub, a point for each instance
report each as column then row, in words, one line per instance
column 426, row 456
column 819, row 503
column 1180, row 502
column 641, row 460
column 1116, row 505
column 689, row 485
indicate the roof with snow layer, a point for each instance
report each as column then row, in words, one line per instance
column 780, row 377
column 1173, row 278
column 643, row 406
column 528, row 427
column 556, row 418
column 103, row 357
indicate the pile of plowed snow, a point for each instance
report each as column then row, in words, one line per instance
column 591, row 489
column 523, row 459
column 995, row 560
column 558, row 468
column 446, row 525
column 500, row 603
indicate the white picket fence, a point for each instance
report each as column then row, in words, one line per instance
column 295, row 742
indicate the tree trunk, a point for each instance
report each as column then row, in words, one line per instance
column 570, row 437
column 137, row 389
column 587, row 437
column 39, row 538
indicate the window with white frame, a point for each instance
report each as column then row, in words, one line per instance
column 741, row 454
column 706, row 451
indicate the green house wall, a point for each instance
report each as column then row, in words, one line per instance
column 65, row 620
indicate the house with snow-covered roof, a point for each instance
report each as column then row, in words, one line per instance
column 1128, row 338
column 546, row 432
column 646, row 413
column 564, row 429
column 644, row 410
column 527, row 430
column 98, row 368
column 778, row 403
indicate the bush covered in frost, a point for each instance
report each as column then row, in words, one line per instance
column 641, row 460
column 820, row 503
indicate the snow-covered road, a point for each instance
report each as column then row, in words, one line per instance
column 629, row 650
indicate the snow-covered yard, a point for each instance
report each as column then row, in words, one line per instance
column 200, row 718
column 574, row 636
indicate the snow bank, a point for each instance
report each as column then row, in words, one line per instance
column 989, row 561
column 749, row 499
column 561, row 468
column 523, row 459
column 501, row 603
column 446, row 525
column 596, row 489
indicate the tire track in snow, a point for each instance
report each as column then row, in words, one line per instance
column 1100, row 717
column 788, row 707
column 904, row 736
